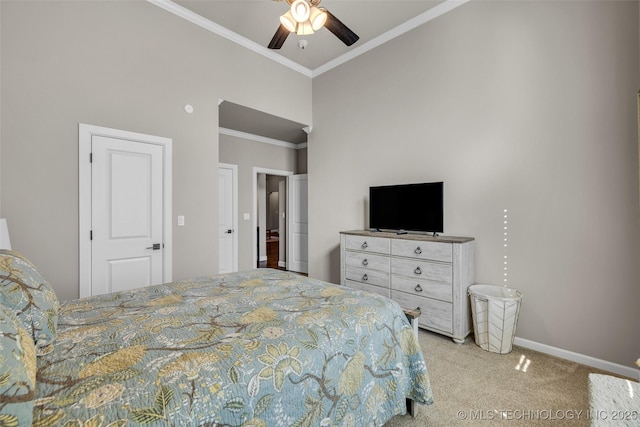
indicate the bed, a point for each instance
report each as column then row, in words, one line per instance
column 256, row 348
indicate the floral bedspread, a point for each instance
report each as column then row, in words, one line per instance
column 256, row 348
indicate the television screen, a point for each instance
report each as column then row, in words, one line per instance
column 408, row 207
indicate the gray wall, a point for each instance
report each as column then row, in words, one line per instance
column 302, row 160
column 524, row 106
column 128, row 65
column 248, row 154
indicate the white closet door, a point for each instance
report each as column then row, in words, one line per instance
column 127, row 214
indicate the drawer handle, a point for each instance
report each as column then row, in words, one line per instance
column 418, row 251
column 365, row 245
column 418, row 288
column 417, row 270
column 365, row 262
column 365, row 277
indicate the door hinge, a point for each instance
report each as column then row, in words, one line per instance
column 90, row 234
column 90, row 157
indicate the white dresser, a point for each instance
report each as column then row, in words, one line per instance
column 417, row 271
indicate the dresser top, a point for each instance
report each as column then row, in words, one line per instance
column 409, row 236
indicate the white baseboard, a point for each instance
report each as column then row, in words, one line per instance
column 282, row 264
column 604, row 365
column 263, row 258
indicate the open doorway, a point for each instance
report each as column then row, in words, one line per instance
column 280, row 197
column 270, row 201
column 272, row 232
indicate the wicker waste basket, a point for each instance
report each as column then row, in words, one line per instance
column 495, row 312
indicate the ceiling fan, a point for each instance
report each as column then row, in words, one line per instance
column 305, row 17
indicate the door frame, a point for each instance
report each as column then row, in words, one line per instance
column 234, row 204
column 85, row 134
column 256, row 171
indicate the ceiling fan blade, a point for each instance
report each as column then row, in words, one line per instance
column 279, row 37
column 340, row 30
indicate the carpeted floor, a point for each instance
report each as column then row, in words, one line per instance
column 474, row 386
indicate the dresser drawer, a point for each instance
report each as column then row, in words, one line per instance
column 435, row 314
column 366, row 243
column 422, row 287
column 367, row 260
column 435, row 251
column 368, row 288
column 365, row 275
column 422, row 270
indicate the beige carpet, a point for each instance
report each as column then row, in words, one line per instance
column 474, row 386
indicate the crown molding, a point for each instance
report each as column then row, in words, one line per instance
column 429, row 15
column 218, row 29
column 258, row 138
column 434, row 12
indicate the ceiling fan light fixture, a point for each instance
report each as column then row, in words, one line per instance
column 300, row 10
column 305, row 17
column 317, row 17
column 288, row 21
column 304, row 28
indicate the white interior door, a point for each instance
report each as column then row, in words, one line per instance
column 126, row 214
column 227, row 236
column 297, row 224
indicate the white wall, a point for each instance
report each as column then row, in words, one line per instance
column 525, row 106
column 127, row 65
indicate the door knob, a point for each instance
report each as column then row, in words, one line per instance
column 229, row 231
column 155, row 247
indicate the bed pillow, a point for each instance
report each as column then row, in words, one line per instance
column 31, row 297
column 17, row 371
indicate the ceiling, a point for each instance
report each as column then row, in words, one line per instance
column 252, row 23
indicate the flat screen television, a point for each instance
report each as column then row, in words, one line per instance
column 407, row 207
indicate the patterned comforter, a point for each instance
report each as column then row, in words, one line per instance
column 257, row 348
